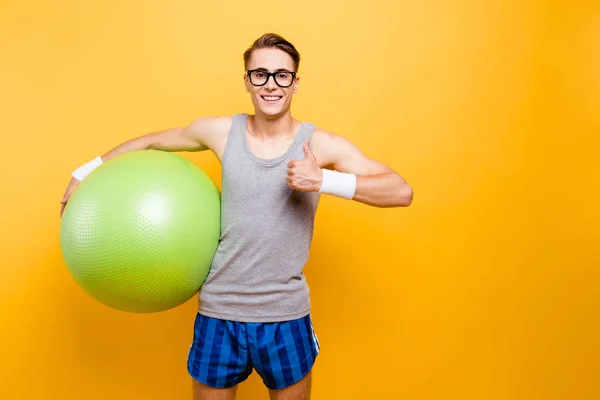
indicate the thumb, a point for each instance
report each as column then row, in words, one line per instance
column 307, row 151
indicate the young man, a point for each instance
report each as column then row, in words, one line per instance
column 254, row 307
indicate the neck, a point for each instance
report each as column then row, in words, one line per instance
column 264, row 126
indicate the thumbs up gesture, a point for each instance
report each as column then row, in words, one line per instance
column 305, row 175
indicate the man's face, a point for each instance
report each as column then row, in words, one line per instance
column 274, row 97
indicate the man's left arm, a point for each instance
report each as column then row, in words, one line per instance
column 336, row 166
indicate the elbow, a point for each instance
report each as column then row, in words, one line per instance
column 405, row 196
column 400, row 194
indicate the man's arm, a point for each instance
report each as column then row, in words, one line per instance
column 377, row 184
column 202, row 134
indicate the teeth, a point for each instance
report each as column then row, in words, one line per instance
column 271, row 98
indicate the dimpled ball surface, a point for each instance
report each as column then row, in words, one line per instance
column 140, row 232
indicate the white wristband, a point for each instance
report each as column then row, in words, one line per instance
column 338, row 184
column 83, row 171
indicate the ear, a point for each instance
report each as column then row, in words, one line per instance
column 296, row 84
column 246, row 83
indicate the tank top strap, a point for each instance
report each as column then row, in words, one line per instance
column 305, row 133
column 238, row 126
column 309, row 129
column 236, row 134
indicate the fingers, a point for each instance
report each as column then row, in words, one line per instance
column 66, row 197
column 290, row 173
column 307, row 150
column 73, row 183
column 63, row 203
column 309, row 156
column 292, row 184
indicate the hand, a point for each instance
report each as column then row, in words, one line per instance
column 305, row 175
column 70, row 189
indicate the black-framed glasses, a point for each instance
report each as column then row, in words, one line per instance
column 259, row 77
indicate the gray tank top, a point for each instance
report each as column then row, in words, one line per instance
column 266, row 232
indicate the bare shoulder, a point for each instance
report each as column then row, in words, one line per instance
column 212, row 132
column 328, row 147
column 324, row 135
column 340, row 153
column 211, row 125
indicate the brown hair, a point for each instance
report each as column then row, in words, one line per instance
column 272, row 41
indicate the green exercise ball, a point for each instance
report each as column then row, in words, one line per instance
column 140, row 232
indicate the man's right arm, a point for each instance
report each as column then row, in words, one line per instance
column 202, row 134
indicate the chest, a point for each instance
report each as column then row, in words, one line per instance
column 270, row 148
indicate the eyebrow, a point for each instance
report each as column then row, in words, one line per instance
column 277, row 70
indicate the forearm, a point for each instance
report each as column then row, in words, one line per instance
column 383, row 190
column 140, row 143
column 175, row 139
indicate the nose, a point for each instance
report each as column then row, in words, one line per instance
column 271, row 85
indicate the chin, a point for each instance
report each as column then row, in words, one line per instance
column 272, row 112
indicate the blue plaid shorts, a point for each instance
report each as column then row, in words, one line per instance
column 224, row 353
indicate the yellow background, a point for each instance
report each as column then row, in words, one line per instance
column 486, row 288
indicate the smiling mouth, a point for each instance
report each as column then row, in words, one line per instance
column 271, row 99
